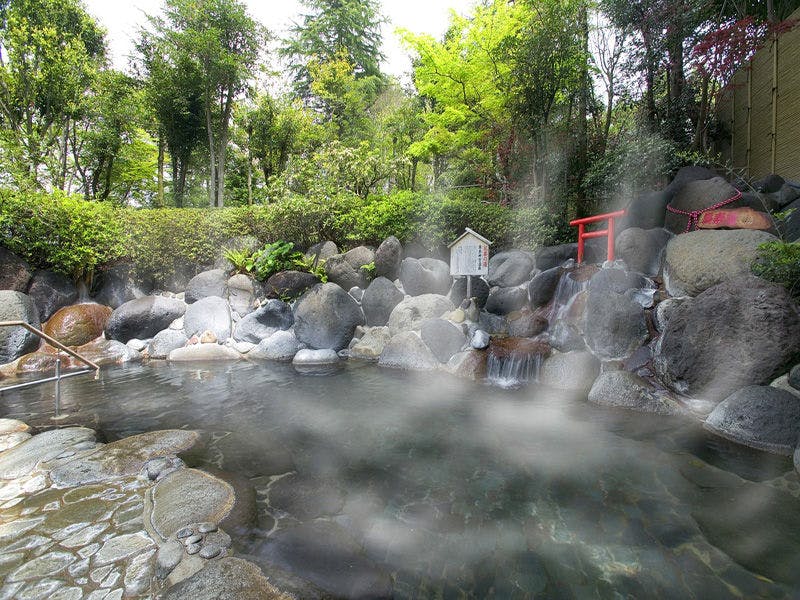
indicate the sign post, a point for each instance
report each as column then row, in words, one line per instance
column 469, row 255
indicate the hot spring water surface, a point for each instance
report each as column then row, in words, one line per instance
column 375, row 481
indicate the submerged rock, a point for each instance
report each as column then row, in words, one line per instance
column 762, row 417
column 78, row 324
column 22, row 459
column 325, row 356
column 326, row 555
column 189, row 496
column 104, row 352
column 570, row 371
column 622, row 389
column 225, row 579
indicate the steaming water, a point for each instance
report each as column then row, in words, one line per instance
column 460, row 490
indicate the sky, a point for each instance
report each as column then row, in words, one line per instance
column 122, row 20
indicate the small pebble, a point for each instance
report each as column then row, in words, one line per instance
column 193, row 548
column 206, row 527
column 193, row 539
column 210, row 551
column 184, row 532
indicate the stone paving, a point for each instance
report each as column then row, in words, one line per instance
column 81, row 519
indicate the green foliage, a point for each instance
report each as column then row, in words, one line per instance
column 60, row 232
column 276, row 257
column 779, row 262
column 242, row 260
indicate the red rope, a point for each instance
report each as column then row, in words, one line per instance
column 694, row 215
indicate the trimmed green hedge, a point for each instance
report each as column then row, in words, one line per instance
column 76, row 237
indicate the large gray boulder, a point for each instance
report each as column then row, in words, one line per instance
column 208, row 314
column 543, row 286
column 281, row 345
column 762, row 417
column 505, row 300
column 411, row 312
column 15, row 273
column 614, row 324
column 143, row 318
column 379, row 300
column 165, row 342
column 241, row 294
column 388, row 257
column 548, row 257
column 642, row 249
column 371, row 344
column 406, row 350
column 205, row 284
column 116, row 287
column 509, row 269
column 348, row 270
column 321, row 251
column 647, row 211
column 16, row 341
column 424, row 276
column 51, row 291
column 326, row 317
column 479, row 290
column 695, row 261
column 274, row 315
column 790, row 226
column 622, row 389
column 698, row 195
column 738, row 333
column 227, row 578
column 574, row 371
column 687, row 175
column 442, row 337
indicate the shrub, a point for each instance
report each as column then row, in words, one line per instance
column 60, row 232
column 779, row 262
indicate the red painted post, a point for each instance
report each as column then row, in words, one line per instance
column 609, row 231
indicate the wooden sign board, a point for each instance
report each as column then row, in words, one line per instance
column 469, row 254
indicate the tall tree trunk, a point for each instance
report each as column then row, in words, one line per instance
column 160, row 196
column 212, row 180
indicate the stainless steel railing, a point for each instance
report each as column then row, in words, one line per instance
column 58, row 376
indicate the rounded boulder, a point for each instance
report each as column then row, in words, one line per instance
column 16, row 341
column 51, row 291
column 508, row 269
column 424, row 276
column 379, row 300
column 78, row 324
column 144, row 317
column 326, row 317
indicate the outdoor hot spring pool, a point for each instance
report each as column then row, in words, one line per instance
column 423, row 486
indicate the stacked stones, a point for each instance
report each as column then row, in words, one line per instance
column 80, row 519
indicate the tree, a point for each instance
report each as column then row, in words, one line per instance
column 50, row 51
column 467, row 80
column 332, row 27
column 173, row 93
column 219, row 43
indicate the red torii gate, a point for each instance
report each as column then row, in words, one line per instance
column 586, row 235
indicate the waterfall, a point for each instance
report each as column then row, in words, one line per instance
column 512, row 362
column 572, row 282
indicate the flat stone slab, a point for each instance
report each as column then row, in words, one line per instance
column 123, row 457
column 121, row 547
column 225, row 579
column 22, row 459
column 189, row 496
column 12, row 426
column 203, row 352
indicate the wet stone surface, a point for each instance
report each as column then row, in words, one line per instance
column 61, row 541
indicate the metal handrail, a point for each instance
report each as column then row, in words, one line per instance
column 58, row 376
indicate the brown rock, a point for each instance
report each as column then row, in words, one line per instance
column 78, row 324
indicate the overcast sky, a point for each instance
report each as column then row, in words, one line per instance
column 121, row 19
